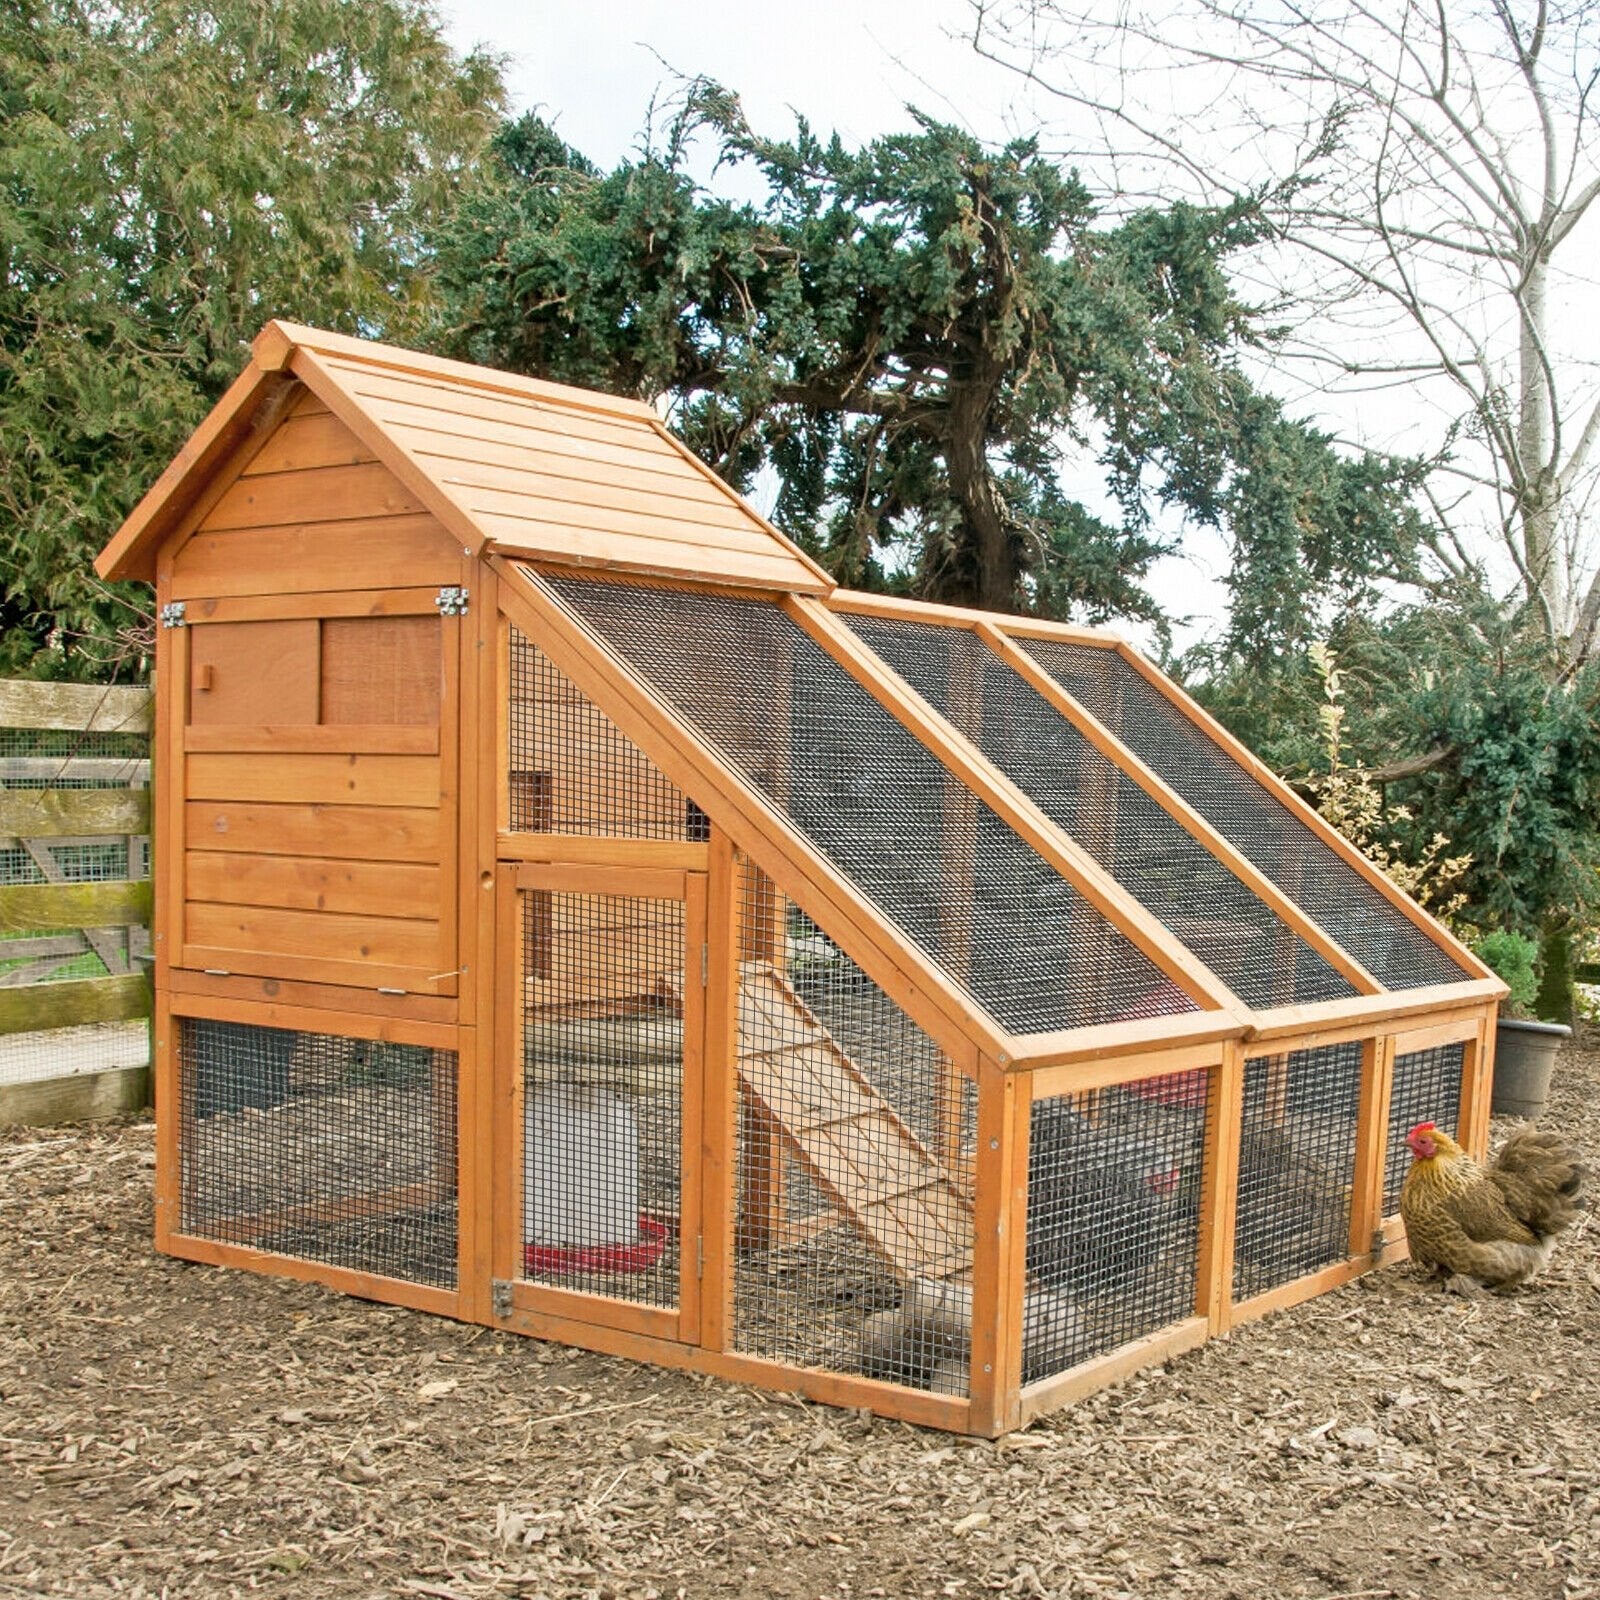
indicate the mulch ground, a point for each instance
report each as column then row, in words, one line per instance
column 174, row 1430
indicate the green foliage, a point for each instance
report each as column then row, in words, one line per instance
column 171, row 176
column 920, row 338
column 1477, row 734
column 1514, row 958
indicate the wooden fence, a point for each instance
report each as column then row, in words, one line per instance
column 74, row 900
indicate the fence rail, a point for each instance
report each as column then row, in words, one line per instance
column 74, row 900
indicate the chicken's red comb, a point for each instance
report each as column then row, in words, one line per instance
column 1422, row 1127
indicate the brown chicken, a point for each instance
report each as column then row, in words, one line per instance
column 1488, row 1227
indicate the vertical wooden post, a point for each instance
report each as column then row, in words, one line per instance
column 1372, row 1142
column 1477, row 1086
column 1219, row 1191
column 999, row 1256
column 482, row 696
column 718, row 1131
column 506, row 1123
column 174, row 1121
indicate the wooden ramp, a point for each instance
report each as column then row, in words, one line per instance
column 873, row 1168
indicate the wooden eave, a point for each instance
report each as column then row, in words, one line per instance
column 532, row 469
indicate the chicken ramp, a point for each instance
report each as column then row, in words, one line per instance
column 882, row 1179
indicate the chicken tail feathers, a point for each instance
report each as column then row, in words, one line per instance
column 1541, row 1178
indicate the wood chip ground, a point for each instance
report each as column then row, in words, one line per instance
column 169, row 1430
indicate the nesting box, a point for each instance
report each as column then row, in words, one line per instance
column 576, row 915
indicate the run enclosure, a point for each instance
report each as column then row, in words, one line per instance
column 575, row 915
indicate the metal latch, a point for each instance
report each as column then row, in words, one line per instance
column 452, row 601
column 172, row 614
column 501, row 1298
column 1380, row 1243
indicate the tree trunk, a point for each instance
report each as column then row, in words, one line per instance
column 1537, row 492
column 985, row 569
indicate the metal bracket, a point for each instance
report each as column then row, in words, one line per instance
column 500, row 1298
column 452, row 601
column 1380, row 1243
column 172, row 614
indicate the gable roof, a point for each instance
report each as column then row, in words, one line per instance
column 506, row 463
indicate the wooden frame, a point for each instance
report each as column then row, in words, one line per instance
column 418, row 535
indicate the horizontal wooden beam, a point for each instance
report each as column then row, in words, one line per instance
column 73, row 813
column 1327, row 1016
column 859, row 603
column 577, row 849
column 1109, row 1040
column 41, row 1006
column 78, row 1097
column 38, row 907
column 1164, row 1061
column 1051, row 1394
column 74, row 707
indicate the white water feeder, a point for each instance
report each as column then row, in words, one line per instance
column 580, row 1173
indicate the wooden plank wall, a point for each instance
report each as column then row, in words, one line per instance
column 319, row 722
column 53, row 920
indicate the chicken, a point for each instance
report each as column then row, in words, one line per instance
column 1488, row 1227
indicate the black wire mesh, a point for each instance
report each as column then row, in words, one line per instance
column 1225, row 923
column 571, row 770
column 854, row 1160
column 603, row 1094
column 1426, row 1088
column 1297, row 1151
column 950, row 873
column 1247, row 814
column 332, row 1149
column 1114, row 1184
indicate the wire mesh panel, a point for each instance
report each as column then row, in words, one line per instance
column 854, row 1221
column 949, row 872
column 1225, row 923
column 332, row 1149
column 1114, row 1184
column 571, row 770
column 603, row 1094
column 1426, row 1088
column 1248, row 815
column 1297, row 1151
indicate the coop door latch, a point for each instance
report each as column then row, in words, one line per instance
column 500, row 1298
column 451, row 601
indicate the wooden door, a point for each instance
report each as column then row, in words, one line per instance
column 599, row 1069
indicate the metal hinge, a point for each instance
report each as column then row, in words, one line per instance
column 172, row 614
column 500, row 1298
column 699, row 1255
column 705, row 965
column 451, row 601
column 1380, row 1243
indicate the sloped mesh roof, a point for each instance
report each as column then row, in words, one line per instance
column 1227, row 925
column 1248, row 815
column 951, row 874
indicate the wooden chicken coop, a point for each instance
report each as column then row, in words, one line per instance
column 576, row 915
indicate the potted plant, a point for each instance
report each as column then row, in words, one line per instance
column 1524, row 1049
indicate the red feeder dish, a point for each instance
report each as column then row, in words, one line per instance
column 555, row 1259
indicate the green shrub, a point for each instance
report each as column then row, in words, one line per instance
column 1515, row 958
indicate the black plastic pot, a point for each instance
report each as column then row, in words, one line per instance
column 1524, row 1057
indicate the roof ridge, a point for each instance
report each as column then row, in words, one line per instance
column 273, row 349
